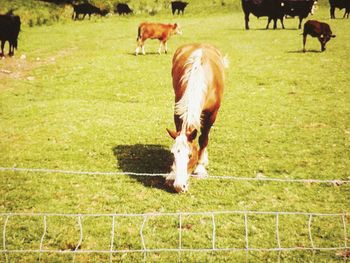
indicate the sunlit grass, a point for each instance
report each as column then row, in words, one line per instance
column 82, row 101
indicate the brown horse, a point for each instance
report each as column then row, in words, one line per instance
column 198, row 82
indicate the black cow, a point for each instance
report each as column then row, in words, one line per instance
column 300, row 8
column 317, row 29
column 178, row 6
column 273, row 9
column 86, row 9
column 10, row 25
column 347, row 12
column 339, row 4
column 122, row 9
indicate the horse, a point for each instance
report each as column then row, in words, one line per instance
column 198, row 83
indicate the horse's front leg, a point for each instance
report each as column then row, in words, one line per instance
column 203, row 160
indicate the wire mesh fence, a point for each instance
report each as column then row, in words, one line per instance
column 184, row 237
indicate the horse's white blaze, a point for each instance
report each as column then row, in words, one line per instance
column 181, row 153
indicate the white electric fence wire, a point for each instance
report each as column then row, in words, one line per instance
column 143, row 239
column 180, row 231
column 277, row 231
column 345, row 234
column 214, row 230
column 141, row 233
column 4, row 238
column 112, row 239
column 204, row 213
column 310, row 235
column 44, row 233
column 234, row 178
column 42, row 238
column 246, row 230
column 81, row 234
column 4, row 233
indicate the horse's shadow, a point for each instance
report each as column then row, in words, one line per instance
column 145, row 158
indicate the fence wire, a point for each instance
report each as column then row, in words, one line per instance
column 214, row 247
column 213, row 177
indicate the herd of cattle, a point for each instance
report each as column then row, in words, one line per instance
column 272, row 9
column 120, row 8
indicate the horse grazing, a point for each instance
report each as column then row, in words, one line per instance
column 198, row 82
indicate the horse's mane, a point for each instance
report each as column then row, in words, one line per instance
column 189, row 107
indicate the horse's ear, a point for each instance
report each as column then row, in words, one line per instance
column 173, row 134
column 192, row 135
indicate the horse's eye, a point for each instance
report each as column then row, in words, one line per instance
column 178, row 151
column 190, row 155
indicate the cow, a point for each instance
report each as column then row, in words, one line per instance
column 10, row 25
column 339, row 4
column 317, row 29
column 300, row 8
column 159, row 31
column 87, row 9
column 347, row 12
column 178, row 6
column 273, row 9
column 122, row 9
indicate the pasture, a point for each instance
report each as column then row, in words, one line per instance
column 79, row 99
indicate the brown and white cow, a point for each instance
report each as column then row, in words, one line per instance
column 159, row 31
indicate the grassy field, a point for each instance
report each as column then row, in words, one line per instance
column 79, row 99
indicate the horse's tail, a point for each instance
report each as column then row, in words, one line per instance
column 189, row 107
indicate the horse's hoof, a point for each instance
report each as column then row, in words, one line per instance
column 200, row 172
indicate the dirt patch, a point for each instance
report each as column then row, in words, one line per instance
column 20, row 67
column 315, row 125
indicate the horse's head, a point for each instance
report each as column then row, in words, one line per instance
column 185, row 158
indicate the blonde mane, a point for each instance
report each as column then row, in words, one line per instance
column 189, row 107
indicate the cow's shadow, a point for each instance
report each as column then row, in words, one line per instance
column 271, row 29
column 145, row 158
column 150, row 53
column 307, row 51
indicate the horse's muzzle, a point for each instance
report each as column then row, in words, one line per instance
column 181, row 187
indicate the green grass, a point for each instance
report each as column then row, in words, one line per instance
column 82, row 101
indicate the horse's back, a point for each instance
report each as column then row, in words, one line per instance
column 212, row 63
